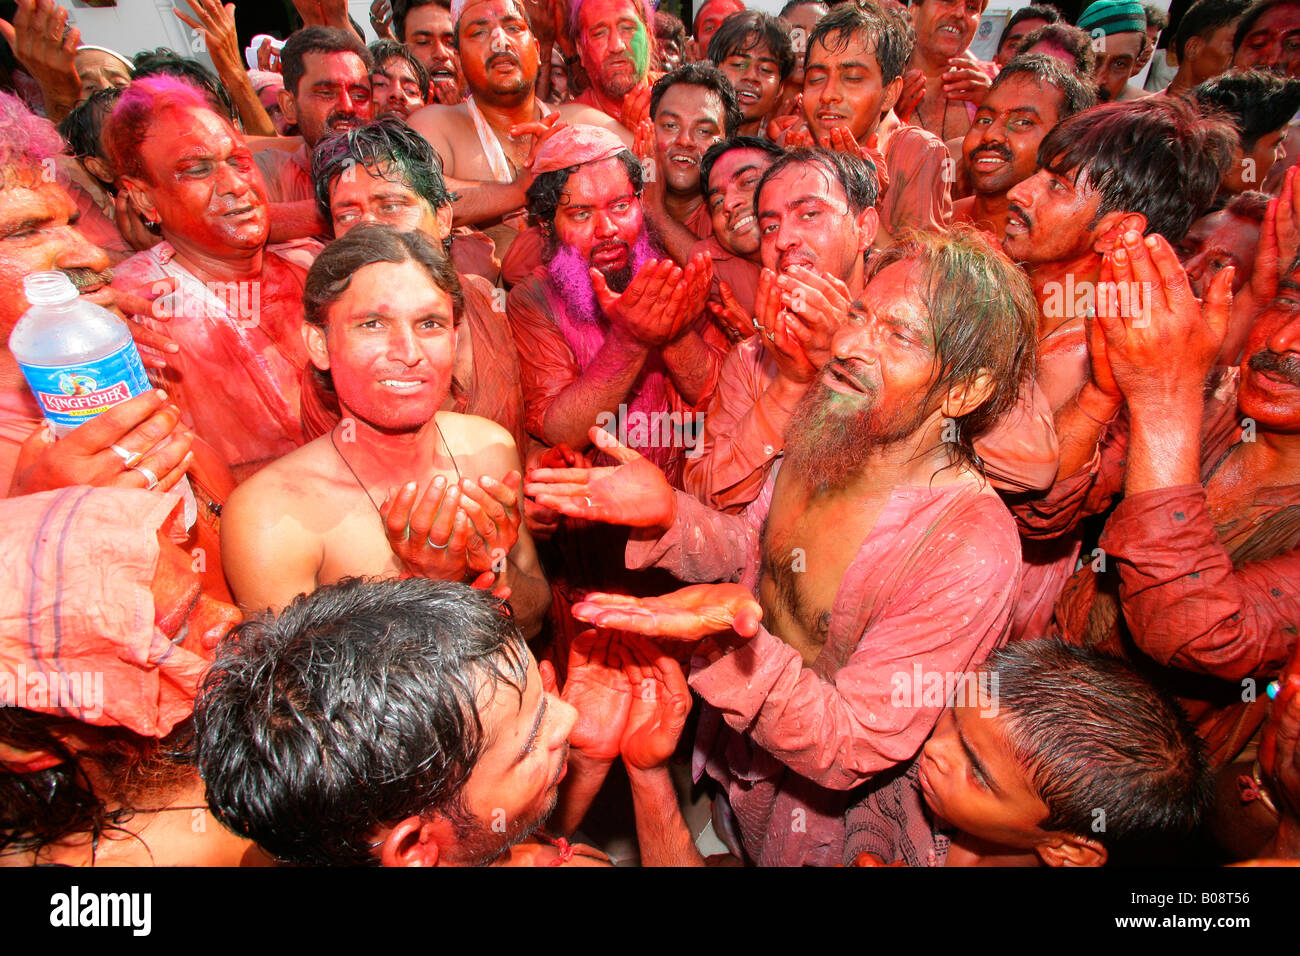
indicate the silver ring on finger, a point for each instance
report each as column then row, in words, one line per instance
column 151, row 480
column 129, row 458
column 587, row 499
column 438, row 547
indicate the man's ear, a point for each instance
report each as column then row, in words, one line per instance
column 313, row 336
column 99, row 168
column 868, row 226
column 964, row 397
column 1192, row 48
column 141, row 201
column 411, row 843
column 443, row 218
column 892, row 92
column 1115, row 224
column 288, row 105
column 1067, row 849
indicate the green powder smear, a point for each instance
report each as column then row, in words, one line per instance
column 640, row 49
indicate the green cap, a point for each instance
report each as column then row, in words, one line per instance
column 1113, row 16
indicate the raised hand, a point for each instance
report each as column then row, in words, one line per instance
column 598, row 688
column 730, row 315
column 661, row 699
column 817, row 305
column 792, row 361
column 1279, row 241
column 1168, row 347
column 542, row 522
column 493, row 510
column 140, row 443
column 542, row 130
column 217, row 24
column 963, row 80
column 636, row 107
column 633, row 493
column 39, row 42
column 652, row 308
column 381, row 18
column 691, row 614
column 909, row 100
column 429, row 533
column 145, row 302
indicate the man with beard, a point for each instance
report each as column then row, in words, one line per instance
column 613, row 38
column 853, row 74
column 427, row 29
column 691, row 109
column 944, row 81
column 816, row 220
column 236, row 308
column 400, row 83
column 381, row 310
column 433, row 738
column 877, row 549
column 385, row 172
column 1031, row 95
column 326, row 90
column 729, row 175
column 1204, row 541
column 608, row 327
column 486, row 141
column 1118, row 29
column 753, row 51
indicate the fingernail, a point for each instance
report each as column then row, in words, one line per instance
column 409, row 486
column 487, row 482
column 162, row 396
column 437, row 482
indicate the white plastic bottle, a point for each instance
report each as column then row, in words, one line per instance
column 78, row 358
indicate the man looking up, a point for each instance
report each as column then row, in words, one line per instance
column 426, row 27
column 381, row 310
column 691, row 109
column 609, row 325
column 485, row 141
column 1031, row 95
column 1203, row 43
column 236, row 309
column 795, row 716
column 944, row 81
column 1118, row 29
column 753, row 51
column 387, row 173
column 853, row 74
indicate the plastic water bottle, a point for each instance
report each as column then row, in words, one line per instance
column 78, row 358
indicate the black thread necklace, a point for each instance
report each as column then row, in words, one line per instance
column 357, row 478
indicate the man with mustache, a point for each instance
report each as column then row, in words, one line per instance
column 614, row 40
column 400, row 83
column 816, row 219
column 485, row 142
column 326, row 90
column 1031, row 95
column 608, row 325
column 237, row 304
column 875, row 549
column 944, row 81
column 1118, row 29
column 427, row 29
column 691, row 109
column 1202, row 550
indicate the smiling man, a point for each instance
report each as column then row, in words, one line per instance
column 237, row 306
column 1031, row 95
column 753, row 51
column 427, row 29
column 944, row 81
column 381, row 314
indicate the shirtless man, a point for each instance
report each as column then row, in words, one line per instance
column 381, row 310
column 236, row 310
column 1118, row 31
column 1030, row 96
column 944, row 81
column 868, row 488
column 1203, row 43
column 485, row 142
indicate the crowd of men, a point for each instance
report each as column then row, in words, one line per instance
column 778, row 440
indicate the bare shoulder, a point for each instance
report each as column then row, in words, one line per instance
column 441, row 124
column 574, row 113
column 479, row 441
column 283, row 486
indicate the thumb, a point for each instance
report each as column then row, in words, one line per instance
column 604, row 296
column 37, row 443
column 7, row 31
column 549, row 683
column 747, row 619
column 611, row 446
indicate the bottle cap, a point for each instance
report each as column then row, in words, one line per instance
column 49, row 288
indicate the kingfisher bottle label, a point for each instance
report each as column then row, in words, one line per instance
column 71, row 395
